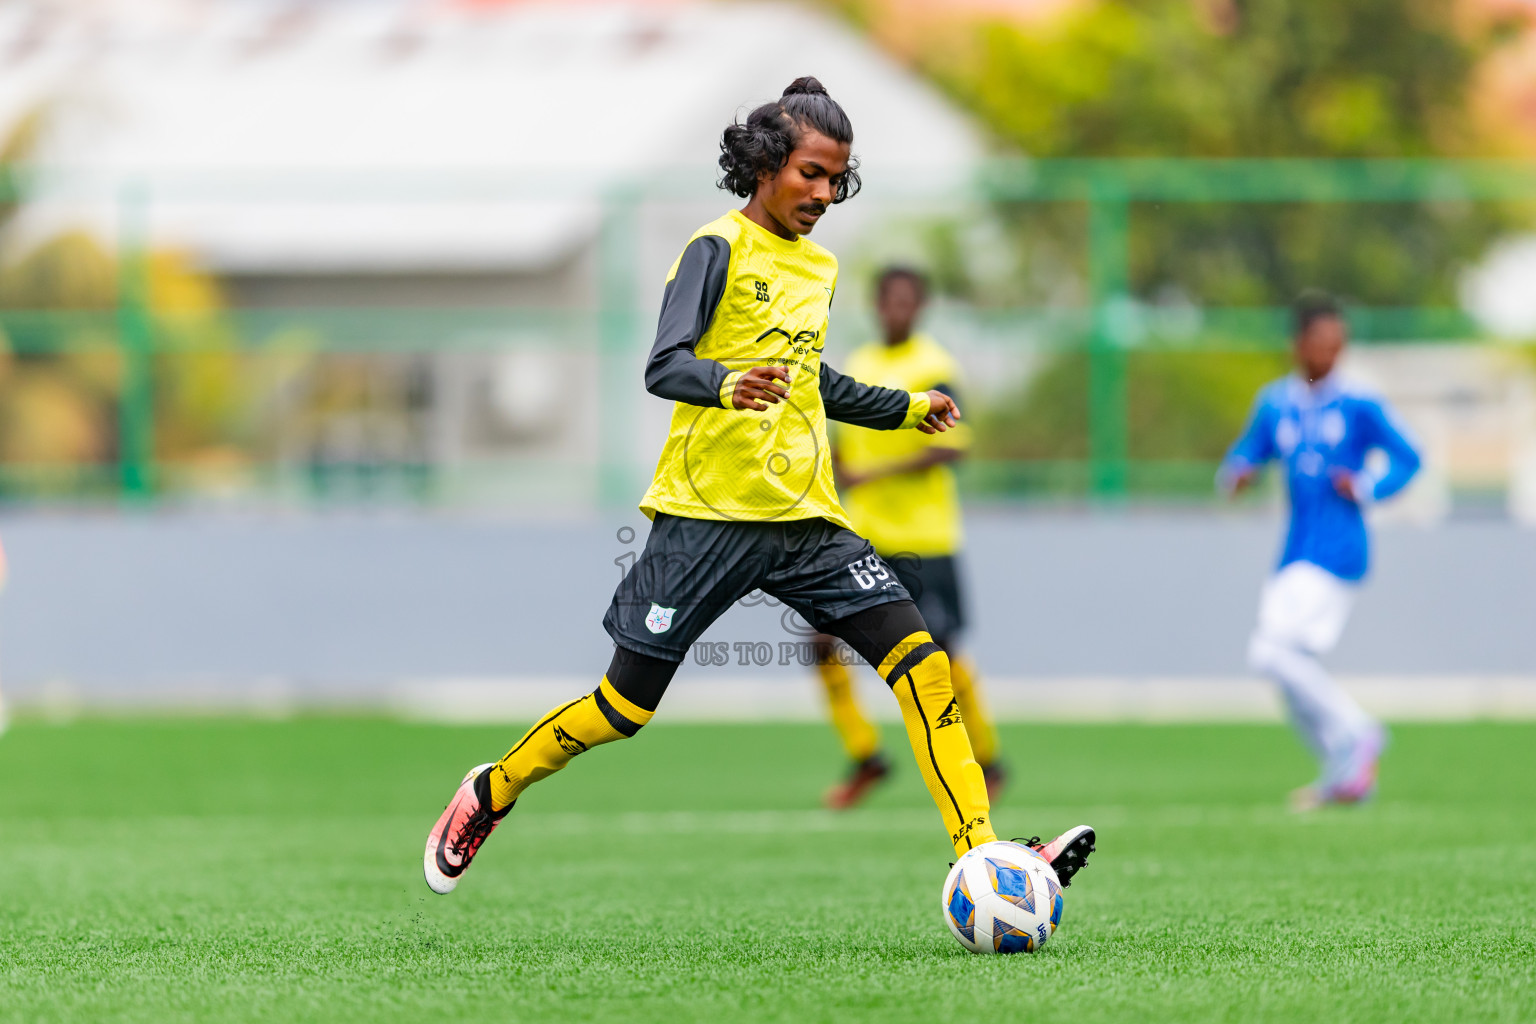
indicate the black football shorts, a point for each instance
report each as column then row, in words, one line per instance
column 692, row 570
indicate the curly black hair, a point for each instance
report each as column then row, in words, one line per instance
column 762, row 145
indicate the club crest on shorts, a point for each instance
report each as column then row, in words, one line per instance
column 660, row 619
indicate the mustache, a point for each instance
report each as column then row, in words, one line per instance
column 813, row 208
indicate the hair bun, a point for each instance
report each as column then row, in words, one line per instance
column 806, row 86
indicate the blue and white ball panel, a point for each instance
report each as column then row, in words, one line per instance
column 1002, row 898
column 958, row 907
column 961, row 908
column 1008, row 939
column 1011, row 883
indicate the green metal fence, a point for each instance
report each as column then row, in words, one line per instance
column 1109, row 188
column 1111, row 323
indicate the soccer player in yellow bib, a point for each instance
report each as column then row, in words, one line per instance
column 898, row 488
column 743, row 499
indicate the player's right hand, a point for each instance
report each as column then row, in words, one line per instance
column 942, row 413
column 761, row 385
column 1241, row 481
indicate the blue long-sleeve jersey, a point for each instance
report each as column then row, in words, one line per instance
column 1317, row 431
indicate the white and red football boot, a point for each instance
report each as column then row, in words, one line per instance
column 996, row 777
column 1067, row 853
column 1357, row 781
column 1354, row 781
column 466, row 823
column 863, row 776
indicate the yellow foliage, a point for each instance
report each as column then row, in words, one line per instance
column 48, row 419
column 59, row 400
column 176, row 286
column 70, row 271
column 1347, row 113
column 95, row 361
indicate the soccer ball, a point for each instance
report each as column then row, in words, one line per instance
column 1002, row 897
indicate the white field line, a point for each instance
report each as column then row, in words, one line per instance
column 1107, row 816
column 907, row 821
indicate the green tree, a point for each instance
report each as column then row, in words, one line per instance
column 1184, row 408
column 1242, row 78
column 1127, row 79
column 1233, row 79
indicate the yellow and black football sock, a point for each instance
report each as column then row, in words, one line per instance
column 918, row 671
column 602, row 716
column 978, row 721
column 860, row 738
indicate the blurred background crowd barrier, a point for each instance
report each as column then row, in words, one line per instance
column 394, row 255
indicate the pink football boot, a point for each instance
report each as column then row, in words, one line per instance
column 466, row 823
column 1067, row 853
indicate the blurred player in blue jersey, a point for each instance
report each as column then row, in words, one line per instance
column 1321, row 427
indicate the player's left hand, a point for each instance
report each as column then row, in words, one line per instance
column 1344, row 484
column 942, row 413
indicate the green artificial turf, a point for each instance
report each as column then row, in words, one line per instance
column 234, row 870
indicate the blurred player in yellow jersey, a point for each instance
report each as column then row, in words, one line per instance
column 899, row 491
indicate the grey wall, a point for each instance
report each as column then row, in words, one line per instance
column 1160, row 594
column 344, row 603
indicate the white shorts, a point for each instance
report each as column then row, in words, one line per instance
column 1305, row 606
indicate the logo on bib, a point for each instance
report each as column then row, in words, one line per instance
column 660, row 619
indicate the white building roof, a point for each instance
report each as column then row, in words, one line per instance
column 415, row 135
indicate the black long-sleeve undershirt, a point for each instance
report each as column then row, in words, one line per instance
column 688, row 306
column 863, row 405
